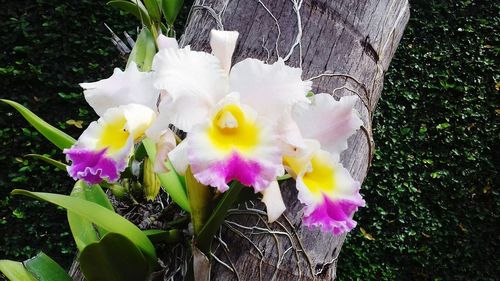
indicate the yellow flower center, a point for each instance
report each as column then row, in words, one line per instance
column 114, row 135
column 230, row 130
column 320, row 178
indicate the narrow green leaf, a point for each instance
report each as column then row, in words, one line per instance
column 200, row 201
column 153, row 9
column 171, row 9
column 144, row 50
column 207, row 233
column 163, row 236
column 54, row 135
column 61, row 166
column 46, row 269
column 114, row 258
column 170, row 181
column 136, row 8
column 83, row 230
column 15, row 271
column 99, row 215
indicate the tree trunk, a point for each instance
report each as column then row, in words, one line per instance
column 345, row 47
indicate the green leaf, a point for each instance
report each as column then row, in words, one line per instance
column 99, row 215
column 83, row 230
column 54, row 135
column 163, row 236
column 153, row 9
column 171, row 9
column 46, row 269
column 443, row 126
column 144, row 50
column 170, row 181
column 200, row 201
column 136, row 8
column 57, row 164
column 114, row 258
column 207, row 233
column 15, row 271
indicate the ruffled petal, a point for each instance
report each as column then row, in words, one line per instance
column 329, row 121
column 234, row 145
column 271, row 197
column 332, row 216
column 271, row 89
column 223, row 44
column 330, row 194
column 123, row 87
column 190, row 78
column 93, row 166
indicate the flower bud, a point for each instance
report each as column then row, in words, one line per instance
column 150, row 181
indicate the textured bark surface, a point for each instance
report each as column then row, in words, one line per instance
column 351, row 43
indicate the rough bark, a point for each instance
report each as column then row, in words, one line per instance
column 345, row 47
column 349, row 43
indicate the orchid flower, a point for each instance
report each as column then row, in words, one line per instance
column 102, row 150
column 231, row 115
column 327, row 189
column 126, row 104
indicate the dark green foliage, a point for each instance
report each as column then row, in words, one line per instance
column 47, row 48
column 432, row 193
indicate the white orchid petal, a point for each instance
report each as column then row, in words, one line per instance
column 194, row 83
column 329, row 121
column 271, row 89
column 123, row 87
column 179, row 157
column 138, row 117
column 271, row 197
column 223, row 44
column 165, row 42
column 185, row 72
column 299, row 157
column 183, row 112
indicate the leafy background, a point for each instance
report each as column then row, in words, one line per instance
column 432, row 192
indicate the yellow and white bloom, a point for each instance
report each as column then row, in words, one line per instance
column 102, row 151
column 234, row 144
column 126, row 104
column 231, row 115
column 317, row 133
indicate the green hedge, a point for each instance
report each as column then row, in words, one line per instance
column 48, row 47
column 431, row 199
column 432, row 193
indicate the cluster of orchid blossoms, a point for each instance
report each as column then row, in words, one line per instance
column 252, row 123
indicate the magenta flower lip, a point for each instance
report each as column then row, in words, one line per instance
column 93, row 166
column 219, row 174
column 334, row 215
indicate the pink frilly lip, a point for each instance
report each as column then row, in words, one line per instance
column 93, row 166
column 334, row 215
column 247, row 172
